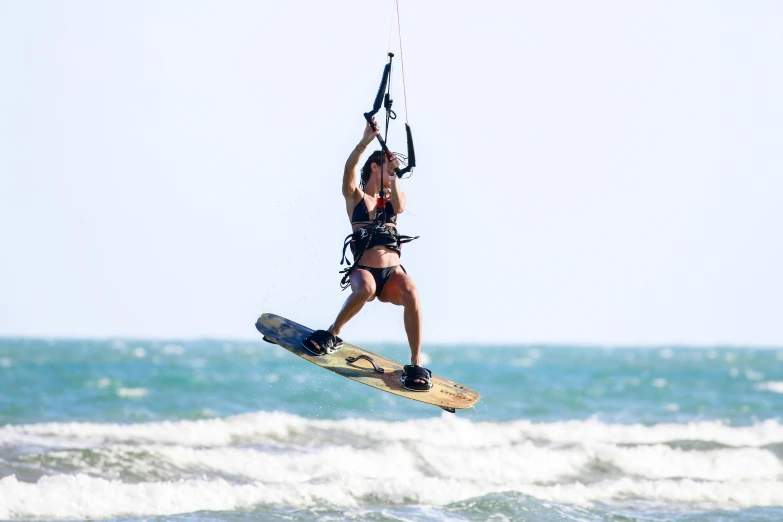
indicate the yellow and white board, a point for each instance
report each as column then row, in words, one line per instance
column 448, row 395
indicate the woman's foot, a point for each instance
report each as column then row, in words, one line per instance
column 322, row 342
column 416, row 378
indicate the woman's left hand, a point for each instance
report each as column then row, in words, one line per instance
column 392, row 165
column 370, row 133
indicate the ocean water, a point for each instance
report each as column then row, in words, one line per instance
column 208, row 430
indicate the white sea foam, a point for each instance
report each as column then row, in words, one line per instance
column 526, row 463
column 133, row 393
column 453, row 431
column 446, row 431
column 660, row 461
column 294, row 449
column 110, row 470
column 706, row 495
column 262, row 427
column 773, row 386
column 81, row 496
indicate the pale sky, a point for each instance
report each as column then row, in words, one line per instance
column 588, row 172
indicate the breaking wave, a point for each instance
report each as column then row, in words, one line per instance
column 90, row 470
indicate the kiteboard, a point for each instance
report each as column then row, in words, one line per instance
column 365, row 367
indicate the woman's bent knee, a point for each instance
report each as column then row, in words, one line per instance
column 365, row 291
column 410, row 296
column 363, row 285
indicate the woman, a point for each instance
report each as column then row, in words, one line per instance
column 377, row 271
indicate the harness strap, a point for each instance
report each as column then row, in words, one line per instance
column 365, row 242
column 345, row 282
column 346, row 244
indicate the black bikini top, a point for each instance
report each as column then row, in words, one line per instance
column 361, row 214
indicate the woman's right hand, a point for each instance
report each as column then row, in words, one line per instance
column 369, row 133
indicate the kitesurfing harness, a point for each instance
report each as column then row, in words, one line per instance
column 365, row 238
column 378, row 233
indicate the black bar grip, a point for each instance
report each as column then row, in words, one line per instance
column 368, row 116
column 411, row 153
column 376, row 106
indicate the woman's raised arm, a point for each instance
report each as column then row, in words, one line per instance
column 349, row 175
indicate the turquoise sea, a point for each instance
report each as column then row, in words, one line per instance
column 226, row 430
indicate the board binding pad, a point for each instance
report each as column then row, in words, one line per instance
column 360, row 365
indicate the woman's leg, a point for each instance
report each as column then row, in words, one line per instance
column 362, row 291
column 401, row 290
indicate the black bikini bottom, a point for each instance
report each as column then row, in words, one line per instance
column 381, row 275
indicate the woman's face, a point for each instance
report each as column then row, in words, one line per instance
column 385, row 171
column 378, row 170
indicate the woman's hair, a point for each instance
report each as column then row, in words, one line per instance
column 377, row 158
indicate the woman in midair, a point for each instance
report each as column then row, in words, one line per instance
column 377, row 271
